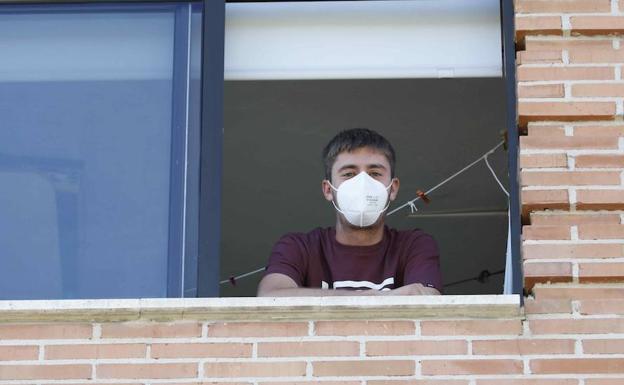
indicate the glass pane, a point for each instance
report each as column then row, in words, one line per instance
column 86, row 95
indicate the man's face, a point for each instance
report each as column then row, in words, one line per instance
column 349, row 164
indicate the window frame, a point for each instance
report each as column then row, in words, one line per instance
column 206, row 265
column 515, row 205
column 509, row 74
column 181, row 264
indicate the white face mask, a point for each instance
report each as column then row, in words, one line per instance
column 361, row 199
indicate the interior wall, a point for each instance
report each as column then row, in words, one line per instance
column 274, row 134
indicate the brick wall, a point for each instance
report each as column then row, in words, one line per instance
column 571, row 101
column 554, row 346
column 571, row 333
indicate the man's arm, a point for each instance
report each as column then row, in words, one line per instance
column 281, row 285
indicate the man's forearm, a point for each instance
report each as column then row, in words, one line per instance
column 311, row 292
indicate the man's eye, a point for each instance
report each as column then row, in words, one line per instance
column 348, row 175
column 374, row 174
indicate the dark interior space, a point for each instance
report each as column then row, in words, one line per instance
column 274, row 134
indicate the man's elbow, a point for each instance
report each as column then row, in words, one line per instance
column 273, row 285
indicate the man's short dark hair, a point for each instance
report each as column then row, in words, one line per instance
column 353, row 139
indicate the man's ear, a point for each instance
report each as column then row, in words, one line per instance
column 394, row 188
column 327, row 190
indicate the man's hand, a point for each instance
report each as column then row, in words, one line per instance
column 281, row 285
column 414, row 289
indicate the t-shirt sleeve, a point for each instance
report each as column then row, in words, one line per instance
column 423, row 262
column 287, row 257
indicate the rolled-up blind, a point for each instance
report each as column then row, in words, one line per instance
column 363, row 39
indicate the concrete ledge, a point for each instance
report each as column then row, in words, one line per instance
column 263, row 309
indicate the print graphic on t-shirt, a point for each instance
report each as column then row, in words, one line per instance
column 360, row 284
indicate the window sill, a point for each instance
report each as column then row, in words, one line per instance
column 262, row 309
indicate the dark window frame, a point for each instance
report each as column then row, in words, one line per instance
column 515, row 205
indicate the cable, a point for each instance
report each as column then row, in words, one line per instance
column 234, row 279
column 485, row 158
column 410, row 203
column 482, row 278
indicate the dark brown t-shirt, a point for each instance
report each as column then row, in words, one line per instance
column 316, row 259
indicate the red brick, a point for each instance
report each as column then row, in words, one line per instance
column 601, row 55
column 533, row 200
column 562, row 6
column 529, row 74
column 568, row 143
column 20, row 352
column 45, row 372
column 537, row 25
column 546, row 272
column 602, row 161
column 407, row 348
column 136, row 371
column 126, row 383
column 199, row 350
column 471, row 327
column 610, row 346
column 533, row 57
column 530, row 381
column 62, row 352
column 600, row 199
column 151, row 330
column 45, row 331
column 254, row 369
column 539, row 129
column 258, row 329
column 203, row 383
column 597, row 25
column 541, row 91
column 538, row 251
column 523, row 346
column 363, row 368
column 537, row 232
column 602, row 130
column 598, row 90
column 583, row 292
column 309, row 348
column 543, row 160
column 547, row 306
column 572, row 178
column 542, row 218
column 354, row 328
column 565, row 111
column 576, row 326
column 467, row 367
column 577, row 366
column 601, row 272
column 532, row 43
column 602, row 306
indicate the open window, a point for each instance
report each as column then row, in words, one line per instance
column 428, row 75
column 121, row 151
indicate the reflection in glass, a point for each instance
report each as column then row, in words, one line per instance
column 87, row 105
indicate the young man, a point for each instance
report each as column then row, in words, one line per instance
column 360, row 255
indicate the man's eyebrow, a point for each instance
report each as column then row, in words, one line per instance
column 368, row 166
column 346, row 167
